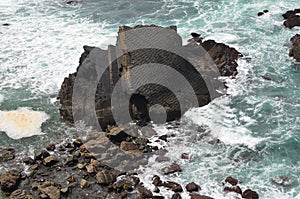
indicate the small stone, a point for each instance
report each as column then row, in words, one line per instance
column 80, row 166
column 73, row 185
column 50, row 161
column 71, row 179
column 90, row 168
column 176, row 196
column 64, row 190
column 18, row 194
column 84, row 184
column 171, row 169
column 260, row 13
column 249, row 194
column 266, row 11
column 128, row 146
column 40, row 155
column 145, row 193
column 10, row 180
column 185, row 156
column 173, row 186
column 156, row 181
column 192, row 187
column 51, row 147
column 163, row 137
column 105, row 177
column 231, row 180
column 7, row 154
column 27, row 161
column 6, row 24
column 77, row 143
column 51, row 191
column 236, row 189
column 156, row 190
column 33, row 167
column 193, row 34
column 162, row 158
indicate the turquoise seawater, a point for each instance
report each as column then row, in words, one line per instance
column 259, row 122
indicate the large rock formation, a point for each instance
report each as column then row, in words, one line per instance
column 291, row 18
column 121, row 60
column 295, row 50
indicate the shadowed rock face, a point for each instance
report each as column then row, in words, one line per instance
column 295, row 50
column 223, row 56
column 291, row 18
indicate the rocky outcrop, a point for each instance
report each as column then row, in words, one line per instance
column 295, row 50
column 10, row 180
column 291, row 18
column 223, row 56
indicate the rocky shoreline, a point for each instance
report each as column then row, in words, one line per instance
column 71, row 170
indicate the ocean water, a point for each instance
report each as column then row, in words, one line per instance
column 258, row 123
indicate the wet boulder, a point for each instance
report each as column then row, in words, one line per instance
column 292, row 18
column 7, row 154
column 295, row 49
column 10, row 180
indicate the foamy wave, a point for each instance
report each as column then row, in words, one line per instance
column 22, row 122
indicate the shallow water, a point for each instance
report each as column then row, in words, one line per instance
column 258, row 123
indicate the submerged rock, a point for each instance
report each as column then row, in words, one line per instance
column 249, row 194
column 295, row 50
column 282, row 180
column 291, row 18
column 231, row 180
column 192, row 187
column 171, row 169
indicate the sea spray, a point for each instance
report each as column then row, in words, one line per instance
column 22, row 122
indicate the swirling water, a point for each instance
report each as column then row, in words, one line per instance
column 258, row 122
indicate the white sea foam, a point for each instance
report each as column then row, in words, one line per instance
column 22, row 122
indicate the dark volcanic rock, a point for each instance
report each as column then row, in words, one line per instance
column 144, row 193
column 171, row 169
column 146, row 96
column 105, row 177
column 249, row 194
column 7, row 154
column 173, row 186
column 236, row 189
column 224, row 57
column 231, row 180
column 260, row 13
column 10, row 180
column 282, row 180
column 192, row 187
column 291, row 18
column 295, row 50
column 176, row 196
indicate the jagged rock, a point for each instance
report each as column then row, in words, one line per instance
column 7, row 154
column 291, row 18
column 173, row 186
column 171, row 169
column 105, row 177
column 10, row 180
column 49, row 161
column 146, row 96
column 20, row 194
column 231, row 180
column 28, row 160
column 260, row 13
column 236, row 189
column 77, row 143
column 129, row 146
column 185, row 156
column 295, row 50
column 144, row 193
column 192, row 187
column 156, row 181
column 51, row 147
column 49, row 190
column 40, row 155
column 249, row 194
column 84, row 184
